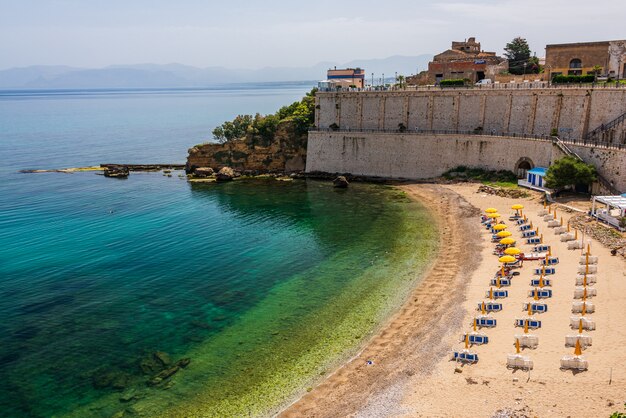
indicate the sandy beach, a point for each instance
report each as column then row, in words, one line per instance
column 410, row 372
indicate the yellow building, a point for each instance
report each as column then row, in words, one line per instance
column 581, row 58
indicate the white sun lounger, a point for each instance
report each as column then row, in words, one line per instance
column 577, row 307
column 574, row 363
column 588, row 323
column 568, row 237
column 593, row 259
column 592, row 269
column 585, row 340
column 560, row 230
column 518, row 361
column 577, row 245
column 554, row 223
column 527, row 340
column 580, row 291
column 548, row 218
column 591, row 279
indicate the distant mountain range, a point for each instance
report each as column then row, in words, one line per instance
column 178, row 75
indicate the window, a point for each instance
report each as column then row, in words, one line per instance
column 575, row 63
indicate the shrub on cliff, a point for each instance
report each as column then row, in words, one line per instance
column 261, row 129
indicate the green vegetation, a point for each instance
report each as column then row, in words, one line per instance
column 453, row 82
column 569, row 172
column 260, row 129
column 501, row 178
column 569, row 79
column 520, row 62
column 617, row 414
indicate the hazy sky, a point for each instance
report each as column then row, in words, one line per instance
column 254, row 34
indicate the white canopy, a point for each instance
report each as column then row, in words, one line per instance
column 615, row 201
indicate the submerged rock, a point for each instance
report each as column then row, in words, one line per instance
column 120, row 171
column 340, row 182
column 162, row 357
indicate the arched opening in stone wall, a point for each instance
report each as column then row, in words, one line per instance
column 523, row 165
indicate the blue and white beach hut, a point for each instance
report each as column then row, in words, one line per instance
column 535, row 179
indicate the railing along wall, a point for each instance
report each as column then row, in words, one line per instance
column 571, row 141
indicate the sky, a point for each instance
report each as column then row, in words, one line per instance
column 290, row 33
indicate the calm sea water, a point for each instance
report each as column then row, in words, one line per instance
column 263, row 285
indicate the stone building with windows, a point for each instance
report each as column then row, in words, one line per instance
column 465, row 60
column 581, row 58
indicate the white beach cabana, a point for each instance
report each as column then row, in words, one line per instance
column 613, row 211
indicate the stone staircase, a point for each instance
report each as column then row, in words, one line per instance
column 604, row 183
column 611, row 132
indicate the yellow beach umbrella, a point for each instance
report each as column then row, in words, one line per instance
column 507, row 259
column 494, row 215
column 507, row 241
column 500, row 227
column 504, row 234
column 512, row 251
column 517, row 207
column 491, row 210
column 517, row 345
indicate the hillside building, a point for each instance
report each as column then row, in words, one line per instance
column 580, row 58
column 343, row 78
column 465, row 60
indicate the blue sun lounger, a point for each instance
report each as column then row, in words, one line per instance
column 532, row 323
column 485, row 322
column 529, row 234
column 552, row 261
column 548, row 270
column 533, row 241
column 490, row 307
column 499, row 294
column 536, row 307
column 524, row 228
column 465, row 357
column 541, row 249
column 521, row 221
column 535, row 282
column 541, row 293
column 477, row 339
column 503, row 282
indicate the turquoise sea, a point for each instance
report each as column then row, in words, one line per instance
column 260, row 286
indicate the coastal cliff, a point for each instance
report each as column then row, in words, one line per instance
column 258, row 144
column 286, row 152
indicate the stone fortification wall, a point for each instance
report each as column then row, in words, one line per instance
column 419, row 156
column 573, row 112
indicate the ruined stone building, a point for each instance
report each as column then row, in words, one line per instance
column 465, row 60
column 580, row 58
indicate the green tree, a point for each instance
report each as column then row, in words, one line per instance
column 260, row 129
column 596, row 70
column 232, row 130
column 518, row 53
column 569, row 171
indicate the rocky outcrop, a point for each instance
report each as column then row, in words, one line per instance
column 203, row 172
column 225, row 174
column 286, row 153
